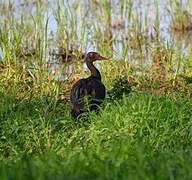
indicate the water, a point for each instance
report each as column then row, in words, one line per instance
column 86, row 16
column 82, row 8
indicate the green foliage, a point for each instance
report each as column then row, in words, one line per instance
column 188, row 80
column 139, row 137
column 120, row 87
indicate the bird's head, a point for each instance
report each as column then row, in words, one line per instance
column 94, row 56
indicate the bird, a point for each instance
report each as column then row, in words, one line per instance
column 68, row 56
column 91, row 87
column 71, row 56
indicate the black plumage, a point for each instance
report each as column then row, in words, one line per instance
column 91, row 87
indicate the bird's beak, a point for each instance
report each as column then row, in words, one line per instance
column 99, row 57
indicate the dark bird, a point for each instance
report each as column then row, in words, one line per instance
column 90, row 87
column 68, row 56
column 71, row 56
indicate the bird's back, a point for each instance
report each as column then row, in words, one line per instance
column 91, row 88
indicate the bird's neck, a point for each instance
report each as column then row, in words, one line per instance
column 94, row 71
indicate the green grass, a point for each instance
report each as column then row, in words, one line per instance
column 139, row 137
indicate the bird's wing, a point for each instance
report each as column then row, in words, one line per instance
column 96, row 88
column 78, row 91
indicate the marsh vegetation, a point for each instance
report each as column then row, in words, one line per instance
column 143, row 133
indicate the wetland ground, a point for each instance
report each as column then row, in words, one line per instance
column 142, row 134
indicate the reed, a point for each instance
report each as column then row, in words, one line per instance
column 144, row 134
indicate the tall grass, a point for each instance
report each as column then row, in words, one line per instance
column 141, row 136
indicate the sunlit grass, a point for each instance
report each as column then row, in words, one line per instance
column 140, row 136
column 145, row 134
